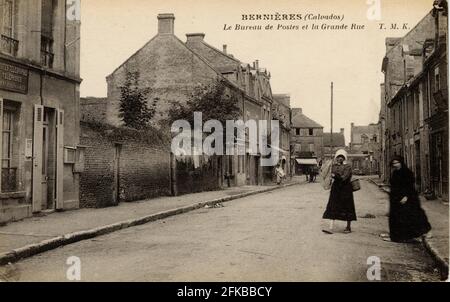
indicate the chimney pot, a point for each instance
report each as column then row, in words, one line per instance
column 166, row 24
column 342, row 130
column 225, row 48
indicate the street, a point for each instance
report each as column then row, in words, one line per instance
column 274, row 236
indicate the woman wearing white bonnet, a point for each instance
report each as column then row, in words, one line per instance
column 341, row 205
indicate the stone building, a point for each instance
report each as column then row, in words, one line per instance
column 333, row 143
column 306, row 141
column 172, row 69
column 39, row 108
column 364, row 149
column 416, row 112
column 281, row 110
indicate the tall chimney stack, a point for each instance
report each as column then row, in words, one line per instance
column 166, row 24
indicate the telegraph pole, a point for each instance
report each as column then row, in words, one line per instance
column 331, row 135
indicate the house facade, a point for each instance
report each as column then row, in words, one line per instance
column 332, row 143
column 172, row 69
column 39, row 108
column 364, row 149
column 416, row 111
column 306, row 141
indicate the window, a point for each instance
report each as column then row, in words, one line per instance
column 297, row 131
column 9, row 152
column 7, row 135
column 364, row 139
column 47, row 32
column 311, row 131
column 8, row 44
column 437, row 84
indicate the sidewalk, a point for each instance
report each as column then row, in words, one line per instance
column 38, row 234
column 438, row 213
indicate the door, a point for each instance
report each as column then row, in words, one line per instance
column 37, row 157
column 59, row 158
column 45, row 162
column 116, row 181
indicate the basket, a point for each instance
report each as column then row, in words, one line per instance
column 356, row 185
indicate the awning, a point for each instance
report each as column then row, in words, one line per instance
column 307, row 161
column 279, row 150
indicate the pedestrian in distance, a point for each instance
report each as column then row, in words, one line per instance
column 280, row 174
column 407, row 220
column 341, row 205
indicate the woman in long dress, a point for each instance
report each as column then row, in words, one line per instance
column 407, row 220
column 341, row 205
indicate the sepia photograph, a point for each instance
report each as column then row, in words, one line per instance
column 201, row 142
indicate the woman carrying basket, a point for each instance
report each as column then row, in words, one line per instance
column 341, row 205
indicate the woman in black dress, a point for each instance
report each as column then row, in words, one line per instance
column 407, row 220
column 341, row 205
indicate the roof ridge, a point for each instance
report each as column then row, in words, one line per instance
column 221, row 52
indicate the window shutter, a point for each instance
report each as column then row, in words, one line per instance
column 60, row 160
column 37, row 157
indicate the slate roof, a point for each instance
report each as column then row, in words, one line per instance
column 338, row 139
column 299, row 120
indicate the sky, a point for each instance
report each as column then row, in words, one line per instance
column 302, row 63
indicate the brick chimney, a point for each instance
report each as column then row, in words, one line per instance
column 225, row 48
column 256, row 64
column 195, row 37
column 166, row 24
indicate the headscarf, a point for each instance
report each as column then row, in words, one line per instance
column 341, row 152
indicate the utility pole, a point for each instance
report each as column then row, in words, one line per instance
column 331, row 135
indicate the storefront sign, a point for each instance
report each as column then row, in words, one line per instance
column 13, row 78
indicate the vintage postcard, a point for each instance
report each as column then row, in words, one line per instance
column 224, row 141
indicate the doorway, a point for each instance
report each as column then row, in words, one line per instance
column 48, row 160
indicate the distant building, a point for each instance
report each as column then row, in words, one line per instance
column 332, row 143
column 364, row 149
column 306, row 140
column 281, row 110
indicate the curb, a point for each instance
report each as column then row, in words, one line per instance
column 53, row 243
column 439, row 259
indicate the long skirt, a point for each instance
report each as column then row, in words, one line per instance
column 407, row 221
column 341, row 205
